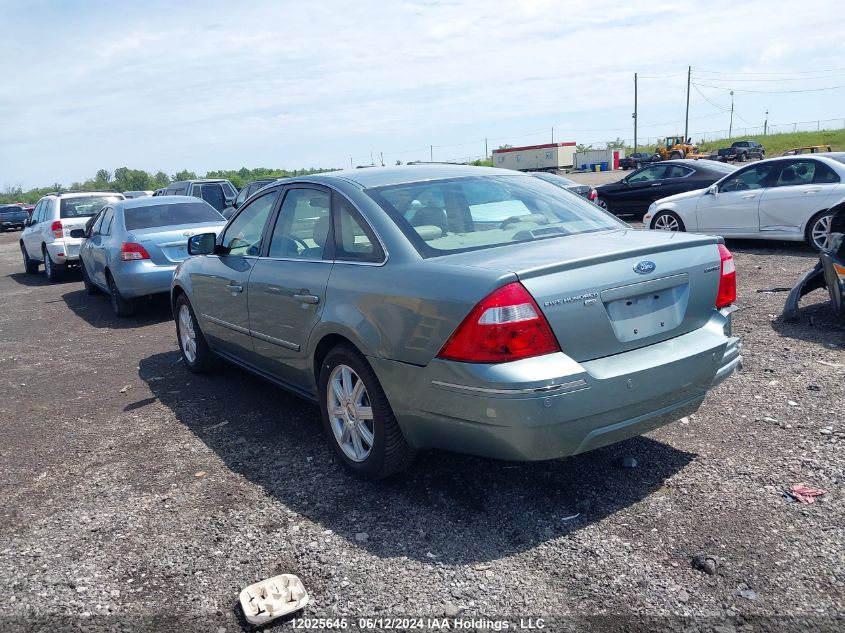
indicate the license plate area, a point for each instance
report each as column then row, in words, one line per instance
column 646, row 309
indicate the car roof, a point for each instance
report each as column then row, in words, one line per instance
column 400, row 174
column 82, row 194
column 149, row 201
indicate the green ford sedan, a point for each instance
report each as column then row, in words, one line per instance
column 463, row 308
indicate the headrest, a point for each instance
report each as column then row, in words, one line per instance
column 429, row 232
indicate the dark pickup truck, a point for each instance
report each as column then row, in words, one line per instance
column 636, row 160
column 12, row 216
column 741, row 151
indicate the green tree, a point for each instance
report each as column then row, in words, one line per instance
column 184, row 175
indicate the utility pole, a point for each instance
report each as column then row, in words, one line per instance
column 351, row 166
column 431, row 153
column 731, row 126
column 686, row 119
column 766, row 123
column 485, row 148
column 553, row 135
column 372, row 162
column 635, row 112
column 381, row 156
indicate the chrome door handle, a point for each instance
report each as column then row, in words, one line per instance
column 655, row 184
column 811, row 190
column 235, row 287
column 307, row 298
column 749, row 196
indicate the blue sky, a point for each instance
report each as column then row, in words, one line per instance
column 217, row 85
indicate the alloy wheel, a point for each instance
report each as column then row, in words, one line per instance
column 666, row 222
column 820, row 233
column 350, row 413
column 187, row 335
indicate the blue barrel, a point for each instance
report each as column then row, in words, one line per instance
column 604, row 166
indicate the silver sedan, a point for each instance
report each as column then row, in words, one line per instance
column 133, row 246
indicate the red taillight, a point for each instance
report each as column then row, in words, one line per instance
column 727, row 281
column 56, row 228
column 593, row 195
column 130, row 251
column 506, row 325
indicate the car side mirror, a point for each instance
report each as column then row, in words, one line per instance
column 77, row 233
column 713, row 190
column 202, row 244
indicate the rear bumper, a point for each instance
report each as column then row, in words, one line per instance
column 141, row 278
column 64, row 251
column 551, row 406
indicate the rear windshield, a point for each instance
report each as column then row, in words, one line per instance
column 463, row 214
column 172, row 214
column 85, row 206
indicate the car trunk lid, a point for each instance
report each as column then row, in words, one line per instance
column 168, row 245
column 610, row 292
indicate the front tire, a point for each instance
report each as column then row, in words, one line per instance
column 90, row 288
column 122, row 307
column 667, row 221
column 358, row 418
column 29, row 265
column 817, row 234
column 195, row 352
column 53, row 271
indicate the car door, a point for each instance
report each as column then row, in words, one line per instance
column 732, row 209
column 219, row 286
column 89, row 245
column 640, row 189
column 801, row 188
column 100, row 234
column 287, row 289
column 30, row 234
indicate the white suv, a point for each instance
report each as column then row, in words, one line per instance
column 46, row 237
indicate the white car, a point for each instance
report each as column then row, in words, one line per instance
column 46, row 236
column 784, row 198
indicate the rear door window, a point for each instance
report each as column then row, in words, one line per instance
column 106, row 222
column 354, row 239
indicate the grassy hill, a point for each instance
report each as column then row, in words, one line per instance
column 777, row 144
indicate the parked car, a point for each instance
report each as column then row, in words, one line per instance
column 217, row 192
column 828, row 273
column 585, row 191
column 812, row 149
column 46, row 237
column 249, row 189
column 132, row 247
column 783, row 198
column 12, row 216
column 636, row 191
column 137, row 194
column 741, row 151
column 464, row 308
column 637, row 160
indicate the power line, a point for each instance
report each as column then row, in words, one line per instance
column 782, row 72
column 771, row 91
column 732, row 79
column 703, row 96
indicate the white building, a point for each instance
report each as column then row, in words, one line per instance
column 535, row 157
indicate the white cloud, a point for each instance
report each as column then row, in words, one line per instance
column 293, row 84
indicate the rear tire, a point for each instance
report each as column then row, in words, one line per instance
column 834, row 286
column 818, row 231
column 195, row 352
column 29, row 265
column 54, row 271
column 667, row 221
column 604, row 204
column 122, row 307
column 358, row 418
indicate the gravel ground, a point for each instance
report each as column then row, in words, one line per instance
column 133, row 491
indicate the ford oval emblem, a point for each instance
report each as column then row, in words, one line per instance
column 645, row 267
